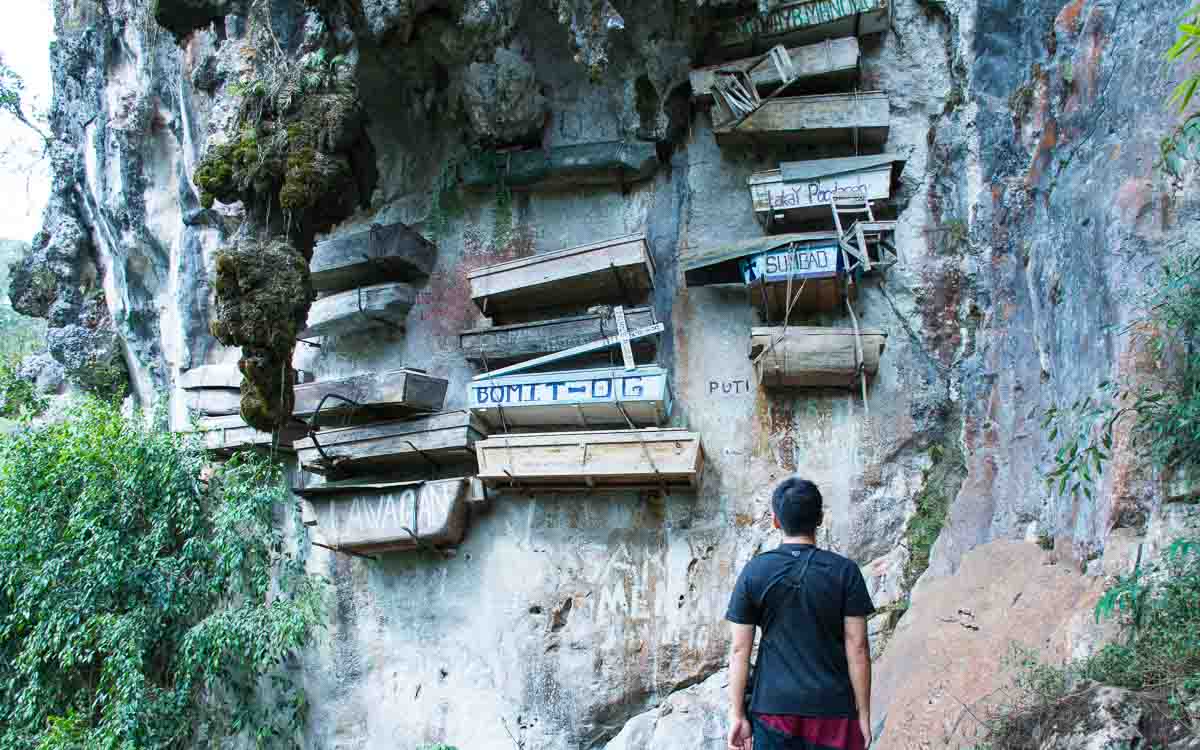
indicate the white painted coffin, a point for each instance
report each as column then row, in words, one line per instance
column 445, row 438
column 225, row 435
column 861, row 118
column 617, row 270
column 614, row 458
column 578, row 398
column 389, row 515
column 363, row 309
column 832, row 63
column 800, row 191
column 800, row 22
column 808, row 357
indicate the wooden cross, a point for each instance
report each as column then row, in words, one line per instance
column 623, row 338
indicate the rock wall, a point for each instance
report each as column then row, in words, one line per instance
column 1029, row 206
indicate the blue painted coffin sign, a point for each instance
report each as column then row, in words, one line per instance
column 581, row 398
column 814, row 261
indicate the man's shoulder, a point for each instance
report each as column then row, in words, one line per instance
column 836, row 561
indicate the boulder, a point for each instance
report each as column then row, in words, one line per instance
column 945, row 663
column 90, row 351
column 45, row 372
column 47, row 282
column 385, row 17
column 693, row 718
column 503, row 99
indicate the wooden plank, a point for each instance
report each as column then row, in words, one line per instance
column 317, row 485
column 379, row 305
column 448, row 437
column 610, row 458
column 395, row 393
column 606, row 342
column 214, row 402
column 604, row 163
column 616, row 270
column 224, row 376
column 394, row 252
column 823, row 118
column 721, row 264
column 399, row 516
column 576, row 398
column 225, row 435
column 830, row 63
column 806, row 357
column 498, row 346
column 800, row 22
column 804, row 194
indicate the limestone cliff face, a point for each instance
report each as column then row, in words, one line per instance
column 1029, row 208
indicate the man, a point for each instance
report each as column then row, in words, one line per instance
column 812, row 686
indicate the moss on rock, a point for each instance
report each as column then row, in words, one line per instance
column 263, row 294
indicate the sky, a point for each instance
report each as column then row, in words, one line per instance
column 25, row 38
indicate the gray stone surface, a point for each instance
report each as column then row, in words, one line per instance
column 503, row 98
column 44, row 371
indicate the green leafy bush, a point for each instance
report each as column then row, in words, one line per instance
column 18, row 398
column 147, row 600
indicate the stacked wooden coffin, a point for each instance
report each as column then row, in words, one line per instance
column 556, row 418
column 363, row 280
column 795, row 81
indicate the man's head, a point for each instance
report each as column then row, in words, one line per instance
column 797, row 506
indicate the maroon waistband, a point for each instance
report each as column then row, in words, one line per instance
column 835, row 733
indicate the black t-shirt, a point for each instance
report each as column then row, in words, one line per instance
column 802, row 667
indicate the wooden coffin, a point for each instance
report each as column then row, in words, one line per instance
column 606, row 163
column 394, row 252
column 224, row 376
column 830, row 65
column 215, row 390
column 379, row 305
column 801, row 22
column 802, row 190
column 225, row 435
column 418, row 444
column 497, row 346
column 612, row 458
column 809, row 295
column 396, row 393
column 860, row 118
column 390, row 515
column 728, row 263
column 803, row 357
column 616, row 270
column 578, row 398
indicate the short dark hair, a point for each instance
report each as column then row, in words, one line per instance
column 797, row 505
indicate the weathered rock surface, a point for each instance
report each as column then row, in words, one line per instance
column 945, row 666
column 503, row 98
column 44, row 372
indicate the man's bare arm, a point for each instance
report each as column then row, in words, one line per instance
column 739, row 667
column 858, row 656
